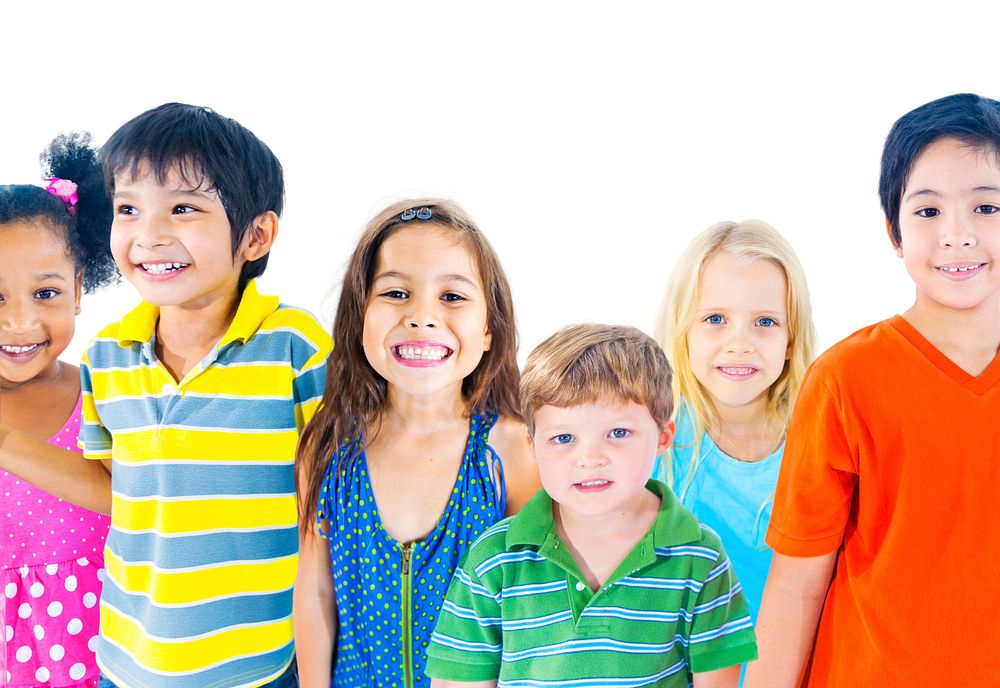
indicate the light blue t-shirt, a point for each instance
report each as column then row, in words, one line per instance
column 732, row 497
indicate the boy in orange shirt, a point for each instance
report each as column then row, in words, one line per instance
column 885, row 525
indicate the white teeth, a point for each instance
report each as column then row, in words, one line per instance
column 592, row 483
column 162, row 268
column 963, row 269
column 18, row 349
column 733, row 370
column 422, row 353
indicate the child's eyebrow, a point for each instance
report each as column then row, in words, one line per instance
column 932, row 192
column 454, row 277
column 49, row 276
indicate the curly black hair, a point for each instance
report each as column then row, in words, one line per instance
column 87, row 228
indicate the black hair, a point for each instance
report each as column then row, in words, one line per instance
column 86, row 229
column 211, row 153
column 972, row 119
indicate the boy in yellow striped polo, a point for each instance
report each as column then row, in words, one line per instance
column 603, row 578
column 196, row 398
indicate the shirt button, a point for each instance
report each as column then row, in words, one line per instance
column 580, row 586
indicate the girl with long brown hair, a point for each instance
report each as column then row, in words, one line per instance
column 417, row 448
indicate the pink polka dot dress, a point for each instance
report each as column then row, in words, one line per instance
column 53, row 565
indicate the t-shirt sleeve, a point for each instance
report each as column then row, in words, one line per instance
column 94, row 440
column 310, row 379
column 721, row 630
column 467, row 642
column 812, row 500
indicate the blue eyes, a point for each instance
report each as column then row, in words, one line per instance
column 764, row 321
column 986, row 209
column 46, row 294
column 566, row 438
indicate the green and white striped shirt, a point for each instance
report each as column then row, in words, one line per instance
column 520, row 611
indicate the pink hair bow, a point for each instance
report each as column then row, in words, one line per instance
column 65, row 190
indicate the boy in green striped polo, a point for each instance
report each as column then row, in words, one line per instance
column 603, row 578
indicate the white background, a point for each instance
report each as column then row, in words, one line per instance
column 591, row 142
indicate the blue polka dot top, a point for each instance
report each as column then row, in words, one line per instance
column 389, row 594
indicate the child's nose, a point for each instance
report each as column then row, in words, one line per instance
column 17, row 315
column 421, row 313
column 151, row 233
column 591, row 457
column 955, row 232
column 739, row 341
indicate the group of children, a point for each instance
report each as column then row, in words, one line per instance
column 287, row 512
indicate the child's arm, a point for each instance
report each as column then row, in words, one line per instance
column 793, row 599
column 729, row 677
column 65, row 474
column 314, row 611
column 441, row 683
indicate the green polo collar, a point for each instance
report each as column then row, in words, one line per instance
column 674, row 525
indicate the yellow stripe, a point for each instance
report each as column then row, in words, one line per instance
column 243, row 381
column 192, row 655
column 206, row 445
column 302, row 322
column 191, row 587
column 196, row 515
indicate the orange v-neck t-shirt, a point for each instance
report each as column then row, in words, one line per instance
column 893, row 461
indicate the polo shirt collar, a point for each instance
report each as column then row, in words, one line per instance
column 674, row 525
column 139, row 325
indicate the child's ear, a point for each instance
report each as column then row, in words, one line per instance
column 888, row 230
column 78, row 289
column 666, row 437
column 487, row 340
column 260, row 237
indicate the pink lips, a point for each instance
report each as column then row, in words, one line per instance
column 157, row 276
column 593, row 485
column 959, row 272
column 420, row 353
column 23, row 356
column 737, row 373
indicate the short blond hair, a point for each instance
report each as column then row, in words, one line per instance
column 581, row 364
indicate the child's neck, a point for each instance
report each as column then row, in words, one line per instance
column 41, row 405
column 600, row 544
column 425, row 412
column 747, row 433
column 969, row 338
column 185, row 336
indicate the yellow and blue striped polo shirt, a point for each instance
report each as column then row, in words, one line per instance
column 202, row 553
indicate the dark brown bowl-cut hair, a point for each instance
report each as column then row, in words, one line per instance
column 355, row 394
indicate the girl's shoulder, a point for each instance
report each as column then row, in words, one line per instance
column 509, row 441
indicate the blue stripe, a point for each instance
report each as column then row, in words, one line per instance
column 594, row 645
column 174, row 479
column 242, row 672
column 725, row 629
column 198, row 619
column 245, row 412
column 661, row 583
column 597, row 682
column 507, row 558
column 450, row 607
column 533, row 589
column 537, row 622
column 462, row 645
column 719, row 601
column 204, row 550
column 638, row 615
column 688, row 551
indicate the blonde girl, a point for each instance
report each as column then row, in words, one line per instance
column 737, row 327
column 417, row 448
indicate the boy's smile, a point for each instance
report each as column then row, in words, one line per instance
column 172, row 241
column 594, row 459
column 949, row 223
